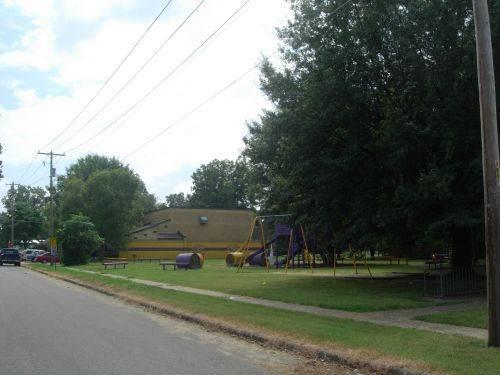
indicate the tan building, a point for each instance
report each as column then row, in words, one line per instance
column 165, row 233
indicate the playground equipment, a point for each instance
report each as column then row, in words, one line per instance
column 268, row 254
column 233, row 259
column 356, row 257
column 189, row 261
column 202, row 259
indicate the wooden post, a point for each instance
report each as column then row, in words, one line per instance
column 246, row 246
column 289, row 253
column 306, row 248
column 491, row 165
column 263, row 241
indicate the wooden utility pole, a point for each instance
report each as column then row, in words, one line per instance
column 51, row 191
column 491, row 165
column 12, row 211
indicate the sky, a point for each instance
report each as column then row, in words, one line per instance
column 56, row 54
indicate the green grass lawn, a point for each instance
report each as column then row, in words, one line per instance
column 446, row 353
column 476, row 318
column 298, row 286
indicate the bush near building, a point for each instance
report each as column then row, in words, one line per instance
column 79, row 238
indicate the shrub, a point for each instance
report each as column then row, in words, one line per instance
column 78, row 238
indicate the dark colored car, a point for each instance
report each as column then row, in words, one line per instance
column 45, row 258
column 10, row 256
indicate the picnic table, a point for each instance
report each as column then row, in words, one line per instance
column 397, row 259
column 114, row 262
column 435, row 262
column 175, row 265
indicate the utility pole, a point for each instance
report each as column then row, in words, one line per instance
column 12, row 211
column 51, row 189
column 491, row 165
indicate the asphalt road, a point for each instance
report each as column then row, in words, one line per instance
column 51, row 327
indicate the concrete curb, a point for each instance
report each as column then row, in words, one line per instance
column 307, row 350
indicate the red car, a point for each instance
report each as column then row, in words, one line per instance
column 45, row 258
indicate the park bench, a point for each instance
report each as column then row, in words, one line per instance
column 175, row 265
column 150, row 260
column 392, row 259
column 398, row 259
column 436, row 262
column 114, row 262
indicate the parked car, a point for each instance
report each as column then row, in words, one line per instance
column 45, row 258
column 10, row 256
column 25, row 253
column 34, row 253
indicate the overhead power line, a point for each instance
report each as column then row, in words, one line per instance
column 125, row 119
column 163, row 80
column 131, row 78
column 341, row 6
column 28, row 168
column 193, row 110
column 111, row 75
column 37, row 181
column 206, row 101
column 34, row 172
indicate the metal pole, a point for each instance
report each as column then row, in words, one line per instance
column 491, row 165
column 51, row 202
column 13, row 211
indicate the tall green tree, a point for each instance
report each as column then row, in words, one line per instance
column 109, row 193
column 374, row 137
column 28, row 206
column 220, row 184
column 178, row 200
column 92, row 163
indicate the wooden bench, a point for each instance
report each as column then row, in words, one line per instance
column 107, row 264
column 150, row 260
column 391, row 259
column 439, row 262
column 174, row 264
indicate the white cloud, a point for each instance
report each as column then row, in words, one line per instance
column 91, row 10
column 215, row 131
column 26, row 97
column 35, row 50
column 36, row 9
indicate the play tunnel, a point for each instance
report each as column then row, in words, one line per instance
column 202, row 259
column 233, row 259
column 189, row 260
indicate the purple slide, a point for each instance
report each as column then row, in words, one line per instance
column 257, row 258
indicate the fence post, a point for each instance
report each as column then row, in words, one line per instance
column 441, row 292
column 425, row 282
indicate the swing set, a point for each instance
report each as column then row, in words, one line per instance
column 268, row 256
column 356, row 257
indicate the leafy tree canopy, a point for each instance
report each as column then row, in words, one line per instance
column 28, row 206
column 91, row 163
column 178, row 200
column 374, row 136
column 110, row 194
column 221, row 184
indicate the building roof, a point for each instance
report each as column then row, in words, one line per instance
column 148, row 226
column 198, row 208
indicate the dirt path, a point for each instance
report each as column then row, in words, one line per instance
column 404, row 318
